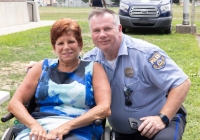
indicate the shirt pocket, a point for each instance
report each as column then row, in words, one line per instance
column 137, row 97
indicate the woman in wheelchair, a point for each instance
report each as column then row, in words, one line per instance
column 70, row 94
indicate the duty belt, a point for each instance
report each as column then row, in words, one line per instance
column 182, row 111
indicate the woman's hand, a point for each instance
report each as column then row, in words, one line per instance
column 37, row 132
column 57, row 133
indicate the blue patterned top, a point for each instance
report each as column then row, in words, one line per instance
column 62, row 96
column 65, row 93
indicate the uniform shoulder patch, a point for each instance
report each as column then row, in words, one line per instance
column 157, row 60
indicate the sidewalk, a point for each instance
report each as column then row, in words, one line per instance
column 23, row 27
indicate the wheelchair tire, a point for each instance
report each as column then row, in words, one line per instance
column 106, row 134
column 8, row 134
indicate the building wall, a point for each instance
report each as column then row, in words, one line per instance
column 13, row 13
column 66, row 3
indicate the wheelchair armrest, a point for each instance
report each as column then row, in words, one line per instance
column 7, row 117
column 10, row 116
column 98, row 122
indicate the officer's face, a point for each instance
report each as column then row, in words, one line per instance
column 106, row 35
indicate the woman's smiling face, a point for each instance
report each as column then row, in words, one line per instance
column 67, row 48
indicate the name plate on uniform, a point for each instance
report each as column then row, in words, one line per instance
column 12, row 0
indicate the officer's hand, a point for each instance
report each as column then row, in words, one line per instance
column 150, row 126
column 30, row 65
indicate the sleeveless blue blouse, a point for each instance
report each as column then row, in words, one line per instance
column 62, row 96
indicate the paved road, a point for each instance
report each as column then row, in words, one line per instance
column 23, row 27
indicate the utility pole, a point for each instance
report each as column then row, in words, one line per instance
column 193, row 31
column 185, row 27
column 186, row 12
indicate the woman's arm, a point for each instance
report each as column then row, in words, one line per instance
column 23, row 95
column 102, row 95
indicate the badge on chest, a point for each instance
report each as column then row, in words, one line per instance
column 129, row 72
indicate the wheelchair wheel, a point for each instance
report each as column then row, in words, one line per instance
column 8, row 134
column 106, row 134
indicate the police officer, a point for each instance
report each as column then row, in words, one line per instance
column 157, row 86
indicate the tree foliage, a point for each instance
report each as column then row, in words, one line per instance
column 85, row 1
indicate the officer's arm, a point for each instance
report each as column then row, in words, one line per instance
column 30, row 65
column 175, row 99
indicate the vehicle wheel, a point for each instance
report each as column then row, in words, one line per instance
column 169, row 30
column 123, row 30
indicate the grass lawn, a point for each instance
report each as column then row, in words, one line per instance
column 16, row 50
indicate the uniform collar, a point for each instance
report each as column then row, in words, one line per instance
column 123, row 47
column 100, row 56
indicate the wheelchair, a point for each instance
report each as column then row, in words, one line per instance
column 108, row 134
column 9, row 133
